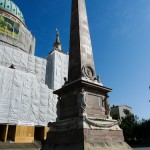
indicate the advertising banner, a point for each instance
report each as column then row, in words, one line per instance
column 9, row 27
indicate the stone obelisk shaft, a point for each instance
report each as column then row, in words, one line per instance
column 81, row 55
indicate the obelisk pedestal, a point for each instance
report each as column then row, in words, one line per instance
column 84, row 121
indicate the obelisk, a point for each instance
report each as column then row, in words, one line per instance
column 81, row 60
column 84, row 121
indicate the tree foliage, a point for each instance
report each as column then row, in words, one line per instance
column 135, row 131
column 128, row 124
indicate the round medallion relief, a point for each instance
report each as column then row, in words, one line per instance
column 89, row 71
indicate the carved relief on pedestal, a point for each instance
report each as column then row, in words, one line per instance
column 58, row 107
column 82, row 103
column 107, row 106
column 88, row 72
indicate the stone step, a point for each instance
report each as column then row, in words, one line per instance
column 20, row 146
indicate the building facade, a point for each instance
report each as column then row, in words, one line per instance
column 26, row 91
column 119, row 110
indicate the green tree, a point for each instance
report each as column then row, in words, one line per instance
column 135, row 131
column 143, row 132
column 116, row 116
column 129, row 124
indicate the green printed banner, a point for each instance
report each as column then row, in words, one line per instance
column 9, row 27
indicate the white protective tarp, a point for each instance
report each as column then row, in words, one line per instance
column 57, row 69
column 23, row 61
column 23, row 100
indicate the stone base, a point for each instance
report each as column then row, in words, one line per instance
column 84, row 133
column 20, row 146
column 108, row 146
column 87, row 146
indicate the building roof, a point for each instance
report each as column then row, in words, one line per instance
column 12, row 8
column 121, row 106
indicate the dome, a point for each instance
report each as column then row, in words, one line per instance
column 12, row 8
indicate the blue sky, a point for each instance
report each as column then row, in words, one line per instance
column 120, row 33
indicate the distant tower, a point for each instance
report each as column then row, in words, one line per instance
column 57, row 65
column 57, row 44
